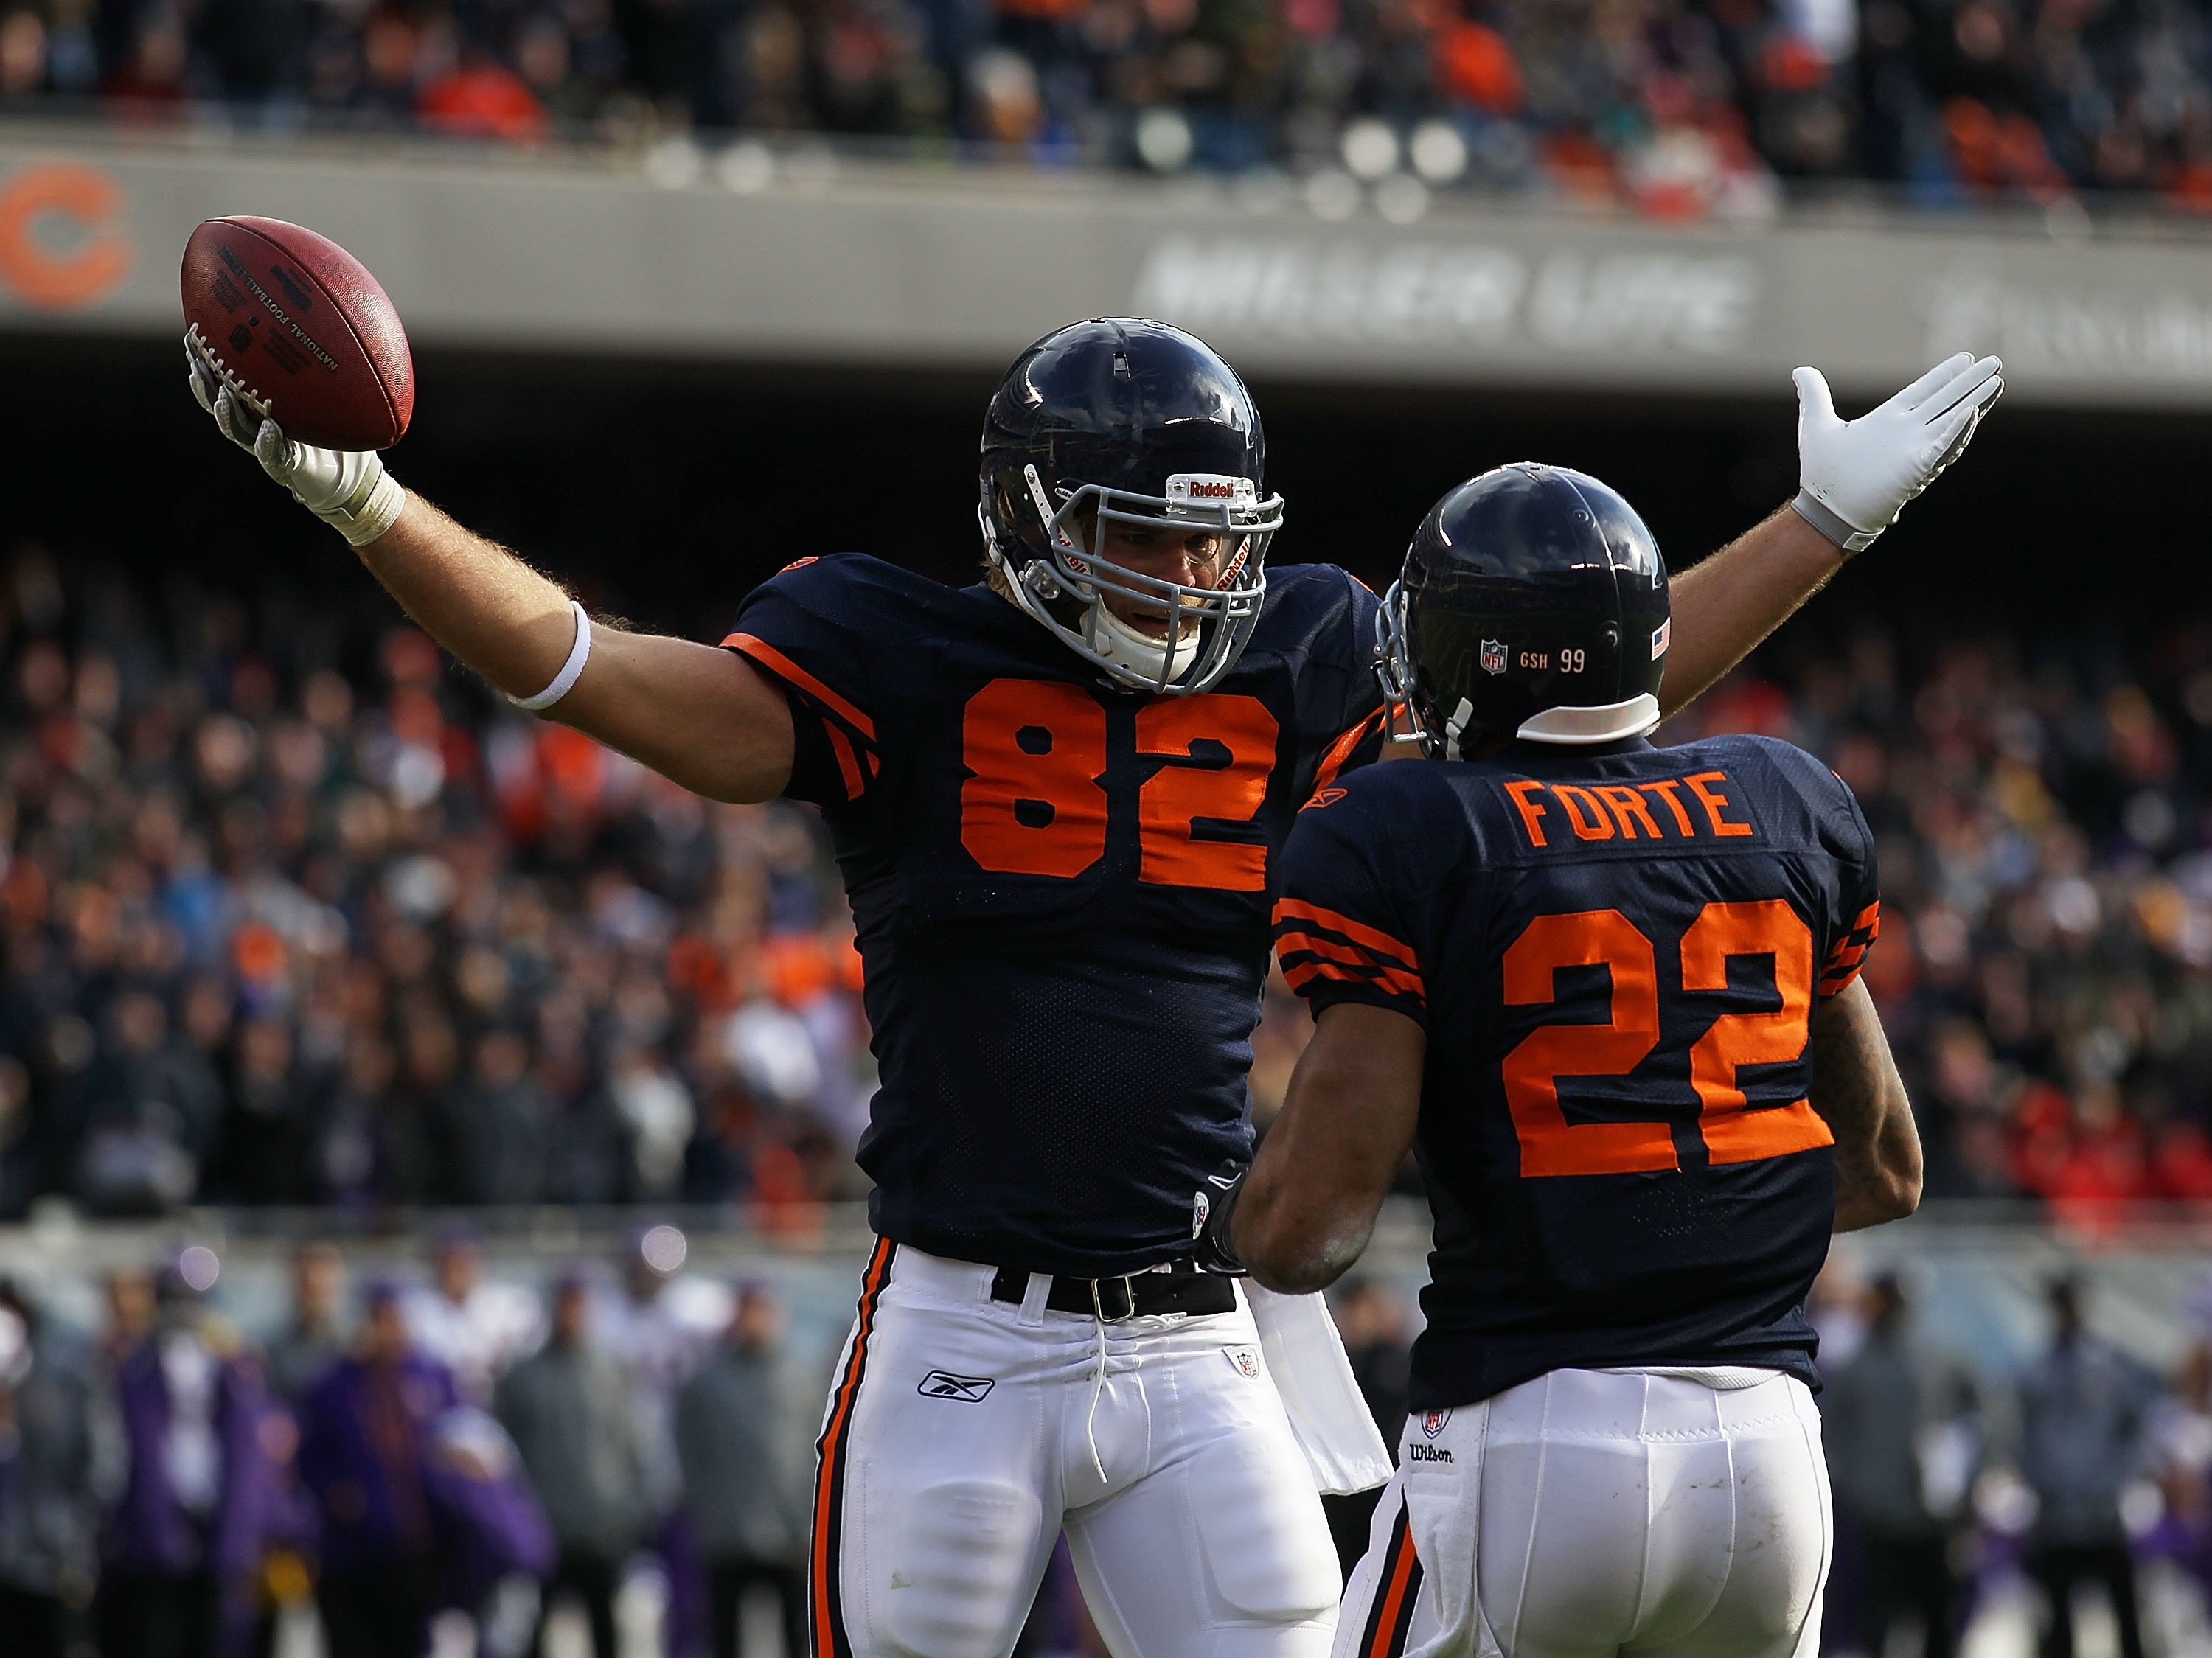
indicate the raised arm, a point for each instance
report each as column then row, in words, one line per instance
column 1857, row 1090
column 702, row 717
column 1855, row 477
column 1307, row 1208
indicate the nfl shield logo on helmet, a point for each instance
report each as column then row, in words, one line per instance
column 1493, row 656
column 1432, row 1422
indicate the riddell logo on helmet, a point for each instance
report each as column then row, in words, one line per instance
column 1212, row 486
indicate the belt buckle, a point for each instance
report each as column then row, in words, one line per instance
column 1128, row 1300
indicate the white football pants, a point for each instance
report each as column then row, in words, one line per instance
column 964, row 1434
column 1590, row 1512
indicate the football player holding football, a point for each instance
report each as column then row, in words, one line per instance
column 1058, row 797
column 1610, row 995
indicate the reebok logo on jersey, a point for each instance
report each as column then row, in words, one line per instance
column 1246, row 1359
column 1707, row 806
column 1417, row 1452
column 942, row 1384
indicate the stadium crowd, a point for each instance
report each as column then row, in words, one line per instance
column 1677, row 107
column 275, row 937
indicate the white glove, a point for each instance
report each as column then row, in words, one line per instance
column 350, row 492
column 1854, row 476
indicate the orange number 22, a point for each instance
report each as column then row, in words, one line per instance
column 1733, row 1131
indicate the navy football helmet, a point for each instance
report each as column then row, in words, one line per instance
column 1533, row 605
column 1124, row 421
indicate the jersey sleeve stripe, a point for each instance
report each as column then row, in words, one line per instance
column 1301, row 974
column 784, row 668
column 1346, row 962
column 1340, row 751
column 1849, row 953
column 848, row 764
column 1296, row 909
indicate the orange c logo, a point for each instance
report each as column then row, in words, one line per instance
column 55, row 282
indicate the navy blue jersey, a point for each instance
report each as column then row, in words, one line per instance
column 1615, row 956
column 1061, row 890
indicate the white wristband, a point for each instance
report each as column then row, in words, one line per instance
column 571, row 671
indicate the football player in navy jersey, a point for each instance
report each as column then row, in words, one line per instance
column 1610, row 995
column 1057, row 797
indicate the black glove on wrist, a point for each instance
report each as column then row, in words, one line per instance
column 1211, row 1208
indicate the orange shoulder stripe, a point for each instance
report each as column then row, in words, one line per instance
column 784, row 668
column 1340, row 751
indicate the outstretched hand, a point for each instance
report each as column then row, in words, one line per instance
column 351, row 492
column 1855, row 475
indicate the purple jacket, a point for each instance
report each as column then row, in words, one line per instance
column 364, row 1446
column 147, row 1529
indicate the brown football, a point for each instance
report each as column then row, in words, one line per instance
column 297, row 322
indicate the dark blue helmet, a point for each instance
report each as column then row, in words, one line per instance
column 1533, row 605
column 1122, row 419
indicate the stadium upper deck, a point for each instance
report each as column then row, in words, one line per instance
column 1682, row 108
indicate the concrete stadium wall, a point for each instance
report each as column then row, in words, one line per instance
column 829, row 262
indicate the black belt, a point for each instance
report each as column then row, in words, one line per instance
column 1140, row 1295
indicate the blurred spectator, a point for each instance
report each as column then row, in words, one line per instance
column 1373, row 1322
column 181, row 1547
column 474, row 1328
column 659, row 1327
column 49, row 1508
column 389, row 947
column 568, row 1409
column 363, row 1458
column 1675, row 108
column 2085, row 1413
column 493, row 1542
column 310, row 1340
column 735, row 1422
column 1902, row 1426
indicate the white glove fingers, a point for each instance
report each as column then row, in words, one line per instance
column 1948, row 438
column 274, row 451
column 1813, row 403
column 1960, row 387
column 1917, row 393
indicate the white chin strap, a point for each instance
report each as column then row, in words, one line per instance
column 1140, row 653
column 1609, row 722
